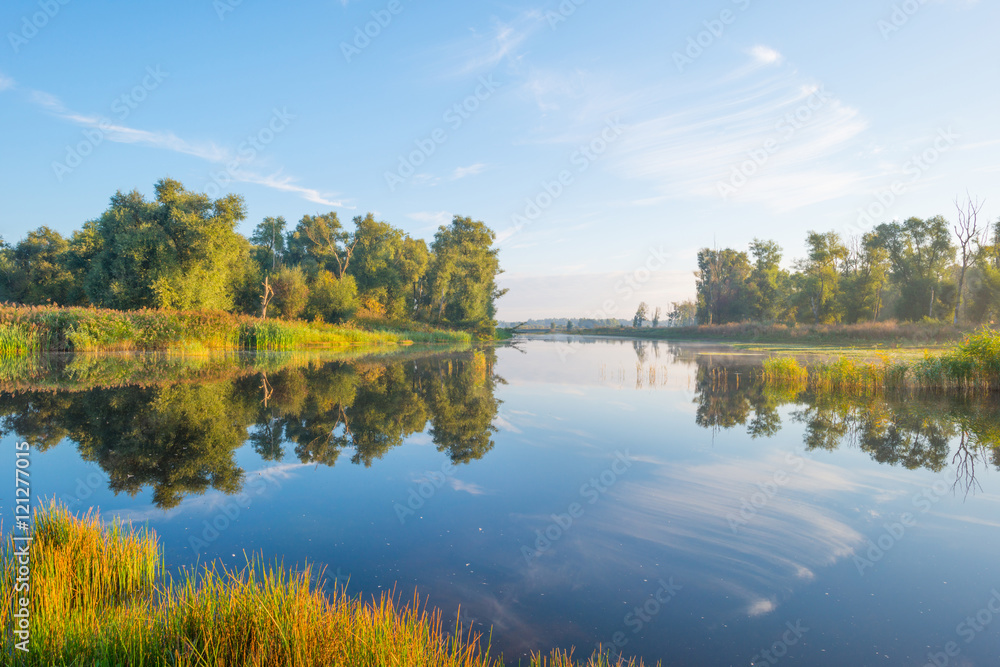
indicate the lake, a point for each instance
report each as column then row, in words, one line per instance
column 654, row 498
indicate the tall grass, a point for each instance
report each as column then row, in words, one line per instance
column 971, row 365
column 18, row 339
column 27, row 329
column 99, row 595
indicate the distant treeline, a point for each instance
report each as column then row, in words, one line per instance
column 907, row 271
column 182, row 251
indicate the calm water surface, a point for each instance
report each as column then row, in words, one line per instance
column 650, row 498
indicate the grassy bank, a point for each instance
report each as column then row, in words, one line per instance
column 28, row 329
column 881, row 333
column 99, row 596
column 971, row 365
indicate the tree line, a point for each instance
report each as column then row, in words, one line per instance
column 912, row 270
column 182, row 251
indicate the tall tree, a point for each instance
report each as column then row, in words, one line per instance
column 766, row 281
column 866, row 272
column 921, row 253
column 821, row 275
column 462, row 275
column 179, row 251
column 722, row 286
column 641, row 315
column 969, row 236
column 269, row 235
column 321, row 242
column 36, row 271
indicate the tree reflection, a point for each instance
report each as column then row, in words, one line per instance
column 913, row 430
column 180, row 438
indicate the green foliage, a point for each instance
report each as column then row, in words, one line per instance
column 722, row 286
column 181, row 251
column 641, row 315
column 291, row 293
column 461, row 281
column 332, row 300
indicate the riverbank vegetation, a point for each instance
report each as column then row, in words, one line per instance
column 100, row 595
column 30, row 329
column 970, row 366
column 911, row 271
column 181, row 252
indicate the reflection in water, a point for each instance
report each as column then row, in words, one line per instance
column 913, row 430
column 180, row 438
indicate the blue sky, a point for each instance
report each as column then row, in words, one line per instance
column 604, row 142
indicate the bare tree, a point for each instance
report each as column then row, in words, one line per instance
column 969, row 234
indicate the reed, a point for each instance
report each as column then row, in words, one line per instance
column 28, row 329
column 973, row 365
column 99, row 595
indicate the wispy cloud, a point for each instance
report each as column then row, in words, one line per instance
column 689, row 150
column 765, row 55
column 6, row 82
column 163, row 140
column 471, row 170
column 432, row 218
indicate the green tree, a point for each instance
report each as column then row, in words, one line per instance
column 321, row 242
column 820, row 283
column 180, row 251
column 291, row 292
column 387, row 265
column 767, row 281
column 921, row 254
column 269, row 238
column 641, row 315
column 462, row 275
column 36, row 270
column 722, row 286
column 332, row 300
column 865, row 276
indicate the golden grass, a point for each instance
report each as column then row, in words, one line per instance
column 99, row 596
